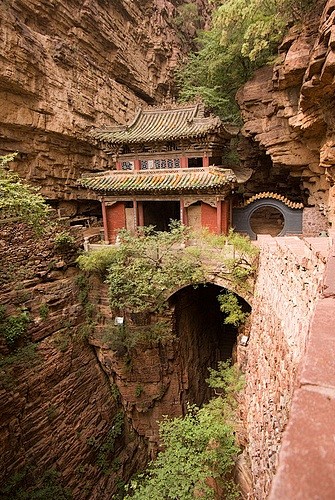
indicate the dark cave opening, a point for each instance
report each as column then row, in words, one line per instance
column 203, row 336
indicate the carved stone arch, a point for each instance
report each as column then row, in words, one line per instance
column 220, row 282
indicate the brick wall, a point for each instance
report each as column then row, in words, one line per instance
column 307, row 456
column 289, row 281
column 314, row 222
column 116, row 219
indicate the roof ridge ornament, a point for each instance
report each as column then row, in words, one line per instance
column 274, row 196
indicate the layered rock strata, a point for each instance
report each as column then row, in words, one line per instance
column 287, row 109
column 57, row 405
column 66, row 67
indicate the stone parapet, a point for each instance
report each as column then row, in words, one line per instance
column 288, row 287
column 307, row 457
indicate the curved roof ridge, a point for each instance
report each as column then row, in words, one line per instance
column 172, row 122
column 274, row 196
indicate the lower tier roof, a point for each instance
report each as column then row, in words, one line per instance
column 178, row 180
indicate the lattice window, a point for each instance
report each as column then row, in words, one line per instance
column 144, row 165
column 127, row 165
column 170, row 163
column 176, row 162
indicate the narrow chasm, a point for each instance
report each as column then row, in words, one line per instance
column 204, row 337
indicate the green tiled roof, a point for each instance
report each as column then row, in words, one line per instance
column 159, row 124
column 179, row 180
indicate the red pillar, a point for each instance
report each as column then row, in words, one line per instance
column 118, row 165
column 116, row 219
column 104, row 221
column 225, row 216
column 209, row 217
column 137, row 164
column 140, row 213
column 205, row 161
column 183, row 162
column 219, row 217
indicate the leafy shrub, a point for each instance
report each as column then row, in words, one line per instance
column 18, row 199
column 44, row 311
column 123, row 339
column 196, row 447
column 98, row 261
column 27, row 355
column 230, row 306
column 245, row 35
column 64, row 240
column 24, row 486
column 14, row 327
column 107, row 448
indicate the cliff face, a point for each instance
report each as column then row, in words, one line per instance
column 58, row 407
column 68, row 66
column 288, row 109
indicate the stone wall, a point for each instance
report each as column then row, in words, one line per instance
column 314, row 221
column 288, row 285
column 307, row 457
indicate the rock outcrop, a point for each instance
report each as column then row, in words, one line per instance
column 57, row 405
column 287, row 109
column 66, row 67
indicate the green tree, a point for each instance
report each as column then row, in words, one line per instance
column 142, row 269
column 244, row 36
column 196, row 447
column 18, row 199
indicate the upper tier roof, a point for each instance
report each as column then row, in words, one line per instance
column 163, row 124
column 181, row 180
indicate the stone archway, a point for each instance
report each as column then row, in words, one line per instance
column 203, row 337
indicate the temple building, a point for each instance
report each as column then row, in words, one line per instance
column 168, row 165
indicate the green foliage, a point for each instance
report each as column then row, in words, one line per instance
column 2, row 312
column 83, row 285
column 26, row 355
column 98, row 261
column 14, row 328
column 145, row 268
column 187, row 18
column 44, row 311
column 227, row 381
column 196, row 447
column 142, row 271
column 138, row 391
column 230, row 306
column 123, row 339
column 23, row 486
column 245, row 35
column 64, row 240
column 106, row 449
column 18, row 199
